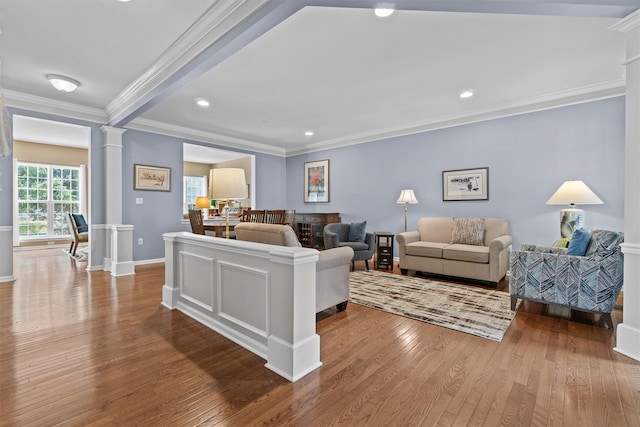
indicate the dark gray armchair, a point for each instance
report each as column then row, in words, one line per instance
column 337, row 235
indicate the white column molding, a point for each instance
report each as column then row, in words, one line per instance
column 113, row 174
column 6, row 254
column 121, row 250
column 628, row 332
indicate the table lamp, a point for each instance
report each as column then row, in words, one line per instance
column 228, row 184
column 572, row 193
column 202, row 202
column 408, row 198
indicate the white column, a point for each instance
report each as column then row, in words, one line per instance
column 628, row 332
column 118, row 244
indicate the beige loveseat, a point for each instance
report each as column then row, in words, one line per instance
column 332, row 267
column 435, row 248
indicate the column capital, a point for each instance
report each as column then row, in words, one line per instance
column 112, row 130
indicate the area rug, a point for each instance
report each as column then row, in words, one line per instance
column 466, row 308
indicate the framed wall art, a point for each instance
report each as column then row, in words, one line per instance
column 316, row 181
column 153, row 178
column 465, row 184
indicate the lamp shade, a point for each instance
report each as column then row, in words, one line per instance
column 574, row 193
column 407, row 196
column 228, row 184
column 202, row 202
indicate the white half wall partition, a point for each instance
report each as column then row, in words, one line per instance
column 260, row 296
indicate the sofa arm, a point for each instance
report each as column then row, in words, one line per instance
column 334, row 257
column 407, row 237
column 499, row 244
column 330, row 239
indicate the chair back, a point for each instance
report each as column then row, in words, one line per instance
column 195, row 218
column 252, row 215
column 274, row 217
column 289, row 215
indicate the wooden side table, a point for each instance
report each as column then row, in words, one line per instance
column 383, row 257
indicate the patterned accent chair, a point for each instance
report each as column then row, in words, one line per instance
column 588, row 283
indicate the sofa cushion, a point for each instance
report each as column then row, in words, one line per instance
column 426, row 249
column 468, row 231
column 357, row 231
column 469, row 253
column 579, row 242
column 435, row 229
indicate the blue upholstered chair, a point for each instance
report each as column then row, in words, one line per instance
column 587, row 283
column 353, row 236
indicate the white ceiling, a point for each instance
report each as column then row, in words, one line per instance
column 273, row 69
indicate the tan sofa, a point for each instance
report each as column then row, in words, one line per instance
column 332, row 267
column 430, row 250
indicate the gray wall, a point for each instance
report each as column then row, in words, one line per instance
column 529, row 156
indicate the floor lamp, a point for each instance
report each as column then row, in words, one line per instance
column 572, row 193
column 407, row 198
column 228, row 184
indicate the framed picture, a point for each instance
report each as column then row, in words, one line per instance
column 316, row 181
column 465, row 184
column 154, row 178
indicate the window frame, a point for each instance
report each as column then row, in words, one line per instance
column 205, row 185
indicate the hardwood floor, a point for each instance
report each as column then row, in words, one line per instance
column 80, row 348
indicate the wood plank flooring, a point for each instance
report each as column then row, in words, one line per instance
column 86, row 349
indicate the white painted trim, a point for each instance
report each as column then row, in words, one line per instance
column 628, row 23
column 148, row 261
column 7, row 279
column 233, row 143
column 628, row 341
column 214, row 23
column 49, row 106
column 630, row 248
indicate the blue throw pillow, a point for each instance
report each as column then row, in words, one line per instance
column 357, row 231
column 80, row 223
column 579, row 242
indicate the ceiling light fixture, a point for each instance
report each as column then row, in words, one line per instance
column 384, row 10
column 467, row 94
column 62, row 83
column 202, row 102
column 308, row 133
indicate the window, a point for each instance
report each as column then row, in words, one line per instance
column 45, row 194
column 192, row 187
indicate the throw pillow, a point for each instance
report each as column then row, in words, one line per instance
column 80, row 223
column 468, row 231
column 357, row 231
column 579, row 242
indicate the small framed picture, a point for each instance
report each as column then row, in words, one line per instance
column 152, row 178
column 465, row 184
column 316, row 181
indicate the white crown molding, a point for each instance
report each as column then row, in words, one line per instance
column 608, row 89
column 628, row 23
column 214, row 23
column 49, row 106
column 233, row 143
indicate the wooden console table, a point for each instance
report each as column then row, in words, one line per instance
column 310, row 226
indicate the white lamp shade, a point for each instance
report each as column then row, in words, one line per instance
column 228, row 184
column 407, row 196
column 574, row 193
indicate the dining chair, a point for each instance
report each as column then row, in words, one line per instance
column 195, row 218
column 274, row 217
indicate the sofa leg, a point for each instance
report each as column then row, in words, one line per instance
column 403, row 271
column 606, row 319
column 514, row 301
column 366, row 263
column 342, row 306
column 353, row 265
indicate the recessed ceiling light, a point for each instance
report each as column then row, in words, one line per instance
column 384, row 9
column 62, row 83
column 202, row 102
column 308, row 133
column 124, row 1
column 467, row 94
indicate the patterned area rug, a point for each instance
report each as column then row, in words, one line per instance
column 476, row 311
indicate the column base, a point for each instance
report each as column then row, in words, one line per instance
column 628, row 341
